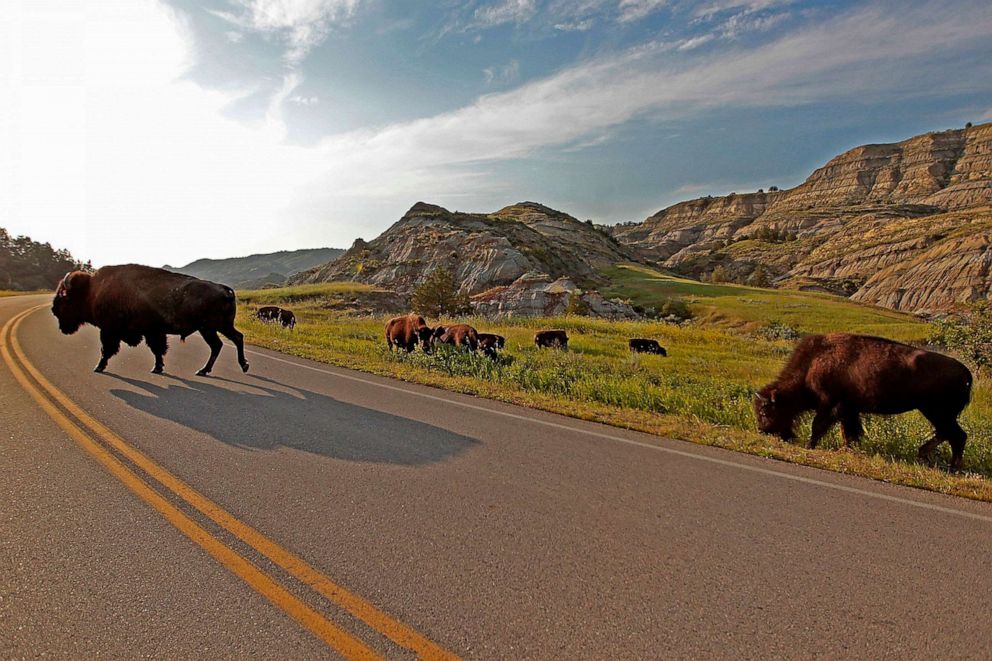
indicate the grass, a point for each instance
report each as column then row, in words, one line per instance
column 701, row 393
column 739, row 307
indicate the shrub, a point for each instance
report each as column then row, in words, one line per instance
column 759, row 277
column 967, row 333
column 718, row 275
column 438, row 295
column 675, row 307
column 777, row 330
column 577, row 305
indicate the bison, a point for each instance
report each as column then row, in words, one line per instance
column 552, row 339
column 459, row 335
column 407, row 332
column 841, row 376
column 131, row 302
column 275, row 313
column 639, row 345
column 490, row 344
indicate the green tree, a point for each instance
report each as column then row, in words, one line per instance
column 719, row 274
column 438, row 295
column 759, row 277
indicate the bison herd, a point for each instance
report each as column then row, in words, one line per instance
column 411, row 330
column 839, row 376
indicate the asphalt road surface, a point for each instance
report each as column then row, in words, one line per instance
column 304, row 511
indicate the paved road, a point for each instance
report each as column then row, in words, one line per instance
column 403, row 520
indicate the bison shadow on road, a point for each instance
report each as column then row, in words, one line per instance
column 254, row 414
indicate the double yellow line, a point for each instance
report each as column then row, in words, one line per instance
column 102, row 444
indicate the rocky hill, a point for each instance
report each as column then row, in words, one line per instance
column 258, row 271
column 904, row 225
column 482, row 250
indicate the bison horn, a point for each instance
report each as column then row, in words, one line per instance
column 65, row 280
column 760, row 397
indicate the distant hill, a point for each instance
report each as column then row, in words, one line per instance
column 26, row 264
column 481, row 250
column 906, row 226
column 258, row 271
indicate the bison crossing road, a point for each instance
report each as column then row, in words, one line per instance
column 133, row 302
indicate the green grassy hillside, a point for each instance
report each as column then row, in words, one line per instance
column 737, row 307
column 702, row 392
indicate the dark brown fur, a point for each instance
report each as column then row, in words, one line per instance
column 131, row 302
column 640, row 345
column 490, row 344
column 459, row 335
column 841, row 376
column 407, row 332
column 275, row 313
column 551, row 339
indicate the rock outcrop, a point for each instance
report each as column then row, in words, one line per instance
column 537, row 294
column 482, row 251
column 899, row 225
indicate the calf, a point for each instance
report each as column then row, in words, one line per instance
column 551, row 339
column 639, row 345
column 275, row 313
column 459, row 335
column 841, row 376
column 490, row 344
column 407, row 332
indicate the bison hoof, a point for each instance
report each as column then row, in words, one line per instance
column 202, row 372
column 244, row 367
column 157, row 370
column 99, row 368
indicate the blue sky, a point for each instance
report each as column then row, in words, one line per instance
column 166, row 131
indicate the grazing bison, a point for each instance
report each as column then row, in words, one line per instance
column 490, row 344
column 132, row 302
column 552, row 339
column 275, row 313
column 639, row 345
column 407, row 332
column 841, row 376
column 459, row 335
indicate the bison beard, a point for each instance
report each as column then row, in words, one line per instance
column 131, row 302
column 840, row 376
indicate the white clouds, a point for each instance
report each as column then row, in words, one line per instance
column 123, row 160
column 502, row 74
column 635, row 10
column 507, row 11
column 302, row 24
column 869, row 52
column 107, row 149
column 575, row 26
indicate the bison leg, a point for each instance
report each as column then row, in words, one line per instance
column 957, row 438
column 946, row 428
column 822, row 422
column 851, row 428
column 159, row 344
column 215, row 345
column 234, row 335
column 110, row 344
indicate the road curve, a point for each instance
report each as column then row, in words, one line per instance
column 412, row 521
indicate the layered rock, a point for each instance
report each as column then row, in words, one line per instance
column 481, row 250
column 537, row 294
column 857, row 221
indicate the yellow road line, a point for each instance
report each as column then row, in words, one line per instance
column 396, row 631
column 320, row 626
